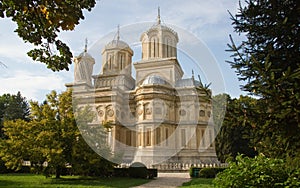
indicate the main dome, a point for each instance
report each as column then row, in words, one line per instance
column 116, row 44
column 154, row 80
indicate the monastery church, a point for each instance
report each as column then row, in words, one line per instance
column 157, row 117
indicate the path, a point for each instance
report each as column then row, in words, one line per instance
column 167, row 180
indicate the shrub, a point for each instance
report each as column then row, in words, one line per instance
column 293, row 179
column 152, row 173
column 120, row 172
column 138, row 170
column 253, row 172
column 207, row 173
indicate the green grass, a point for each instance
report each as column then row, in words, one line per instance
column 199, row 182
column 29, row 180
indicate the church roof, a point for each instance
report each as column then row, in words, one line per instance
column 154, row 80
column 188, row 82
column 158, row 26
column 84, row 55
column 116, row 44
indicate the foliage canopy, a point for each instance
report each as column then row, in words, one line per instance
column 40, row 21
column 237, row 130
column 52, row 136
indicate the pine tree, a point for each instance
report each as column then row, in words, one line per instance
column 268, row 61
column 236, row 132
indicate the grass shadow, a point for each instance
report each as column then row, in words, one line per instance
column 15, row 180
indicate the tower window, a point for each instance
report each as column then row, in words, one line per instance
column 201, row 113
column 154, row 47
column 110, row 61
column 122, row 60
column 148, row 137
column 167, row 136
column 128, row 137
column 168, row 47
column 158, row 136
column 210, row 137
column 203, row 138
column 140, row 137
column 183, row 138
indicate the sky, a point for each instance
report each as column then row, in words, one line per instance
column 203, row 29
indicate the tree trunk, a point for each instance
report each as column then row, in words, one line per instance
column 57, row 172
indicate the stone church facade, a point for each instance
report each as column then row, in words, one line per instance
column 156, row 117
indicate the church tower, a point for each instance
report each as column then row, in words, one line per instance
column 116, row 65
column 159, row 54
column 83, row 69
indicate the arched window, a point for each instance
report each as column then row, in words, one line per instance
column 201, row 113
column 210, row 138
column 148, row 137
column 154, row 47
column 110, row 61
column 122, row 61
column 203, row 138
column 167, row 136
column 140, row 137
column 158, row 136
column 168, row 48
column 183, row 138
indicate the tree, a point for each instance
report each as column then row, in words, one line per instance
column 51, row 136
column 236, row 133
column 40, row 21
column 12, row 107
column 268, row 61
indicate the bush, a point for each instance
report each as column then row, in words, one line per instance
column 120, row 172
column 138, row 170
column 253, row 172
column 152, row 173
column 293, row 179
column 207, row 173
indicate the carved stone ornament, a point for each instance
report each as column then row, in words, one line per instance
column 148, row 111
column 101, row 113
column 140, row 111
column 182, row 112
column 110, row 113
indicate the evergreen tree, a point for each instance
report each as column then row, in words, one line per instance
column 12, row 107
column 236, row 132
column 268, row 61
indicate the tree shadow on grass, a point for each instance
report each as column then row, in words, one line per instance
column 103, row 182
column 9, row 183
column 199, row 182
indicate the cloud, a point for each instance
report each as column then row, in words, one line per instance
column 11, row 45
column 208, row 20
column 31, row 84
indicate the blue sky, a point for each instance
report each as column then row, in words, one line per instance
column 203, row 28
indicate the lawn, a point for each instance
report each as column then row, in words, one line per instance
column 199, row 182
column 29, row 180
